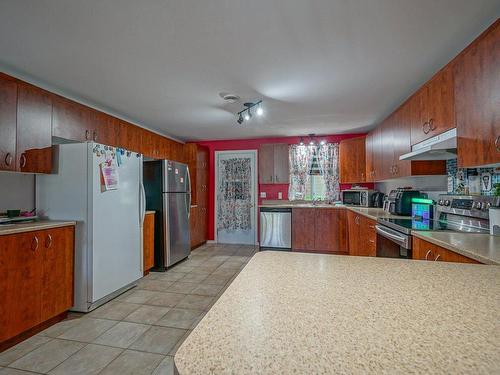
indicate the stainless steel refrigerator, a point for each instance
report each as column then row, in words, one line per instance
column 168, row 193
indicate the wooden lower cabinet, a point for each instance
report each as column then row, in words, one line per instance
column 362, row 235
column 198, row 223
column 424, row 250
column 36, row 282
column 322, row 230
column 148, row 241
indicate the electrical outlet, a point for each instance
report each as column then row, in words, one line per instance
column 262, row 194
column 280, row 195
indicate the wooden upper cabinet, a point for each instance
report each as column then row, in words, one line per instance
column 266, row 164
column 34, row 129
column 71, row 120
column 437, row 107
column 8, row 119
column 352, row 161
column 105, row 129
column 477, row 98
column 274, row 164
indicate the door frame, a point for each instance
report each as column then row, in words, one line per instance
column 255, row 189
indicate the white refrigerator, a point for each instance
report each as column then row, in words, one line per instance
column 108, row 244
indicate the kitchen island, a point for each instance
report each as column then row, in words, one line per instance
column 318, row 314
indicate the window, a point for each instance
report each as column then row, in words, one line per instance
column 315, row 187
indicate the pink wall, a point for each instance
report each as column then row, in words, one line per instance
column 253, row 144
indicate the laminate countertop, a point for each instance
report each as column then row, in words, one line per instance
column 32, row 226
column 322, row 314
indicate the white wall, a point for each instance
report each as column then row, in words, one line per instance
column 17, row 191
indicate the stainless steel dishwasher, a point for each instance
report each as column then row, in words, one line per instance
column 275, row 228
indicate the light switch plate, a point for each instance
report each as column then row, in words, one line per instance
column 280, row 195
column 262, row 194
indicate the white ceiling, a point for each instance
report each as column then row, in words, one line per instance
column 321, row 66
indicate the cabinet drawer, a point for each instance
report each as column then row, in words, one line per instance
column 423, row 250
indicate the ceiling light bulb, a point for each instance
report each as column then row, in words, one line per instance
column 301, row 143
column 259, row 111
column 311, row 143
column 247, row 116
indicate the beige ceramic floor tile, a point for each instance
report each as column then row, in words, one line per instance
column 147, row 314
column 131, row 362
column 166, row 367
column 194, row 278
column 158, row 340
column 122, row 335
column 171, row 276
column 195, row 302
column 179, row 318
column 13, row 371
column 166, row 299
column 181, row 287
column 46, row 357
column 217, row 280
column 16, row 352
column 88, row 329
column 61, row 327
column 155, row 285
column 139, row 296
column 88, row 361
column 114, row 310
column 207, row 290
column 179, row 343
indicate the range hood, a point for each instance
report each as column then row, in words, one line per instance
column 440, row 147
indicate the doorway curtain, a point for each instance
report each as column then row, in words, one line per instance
column 234, row 199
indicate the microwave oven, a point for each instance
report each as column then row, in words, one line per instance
column 361, row 197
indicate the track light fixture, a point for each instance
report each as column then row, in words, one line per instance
column 312, row 141
column 246, row 114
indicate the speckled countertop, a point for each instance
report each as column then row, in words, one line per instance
column 32, row 226
column 370, row 212
column 481, row 247
column 322, row 314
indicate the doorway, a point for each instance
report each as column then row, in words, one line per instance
column 236, row 197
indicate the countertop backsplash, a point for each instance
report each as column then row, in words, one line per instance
column 17, row 191
column 471, row 180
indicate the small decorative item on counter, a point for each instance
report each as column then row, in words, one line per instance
column 451, row 184
column 13, row 213
column 474, row 183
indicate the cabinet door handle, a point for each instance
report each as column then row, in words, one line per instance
column 372, row 226
column 427, row 255
column 371, row 241
column 426, row 128
column 22, row 160
column 271, row 177
column 432, row 127
column 34, row 243
column 87, row 134
column 8, row 159
column 48, row 241
column 276, row 178
column 437, row 258
column 497, row 143
column 94, row 136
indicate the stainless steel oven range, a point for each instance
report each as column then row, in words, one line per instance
column 457, row 213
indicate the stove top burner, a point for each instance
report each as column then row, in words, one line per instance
column 407, row 225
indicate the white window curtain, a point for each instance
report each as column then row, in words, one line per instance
column 301, row 158
column 328, row 160
column 300, row 163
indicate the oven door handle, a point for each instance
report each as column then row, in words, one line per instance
column 392, row 235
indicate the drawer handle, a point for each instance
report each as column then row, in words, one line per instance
column 497, row 143
column 8, row 159
column 23, row 160
column 426, row 127
column 427, row 255
column 432, row 127
column 437, row 258
column 34, row 243
column 48, row 241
